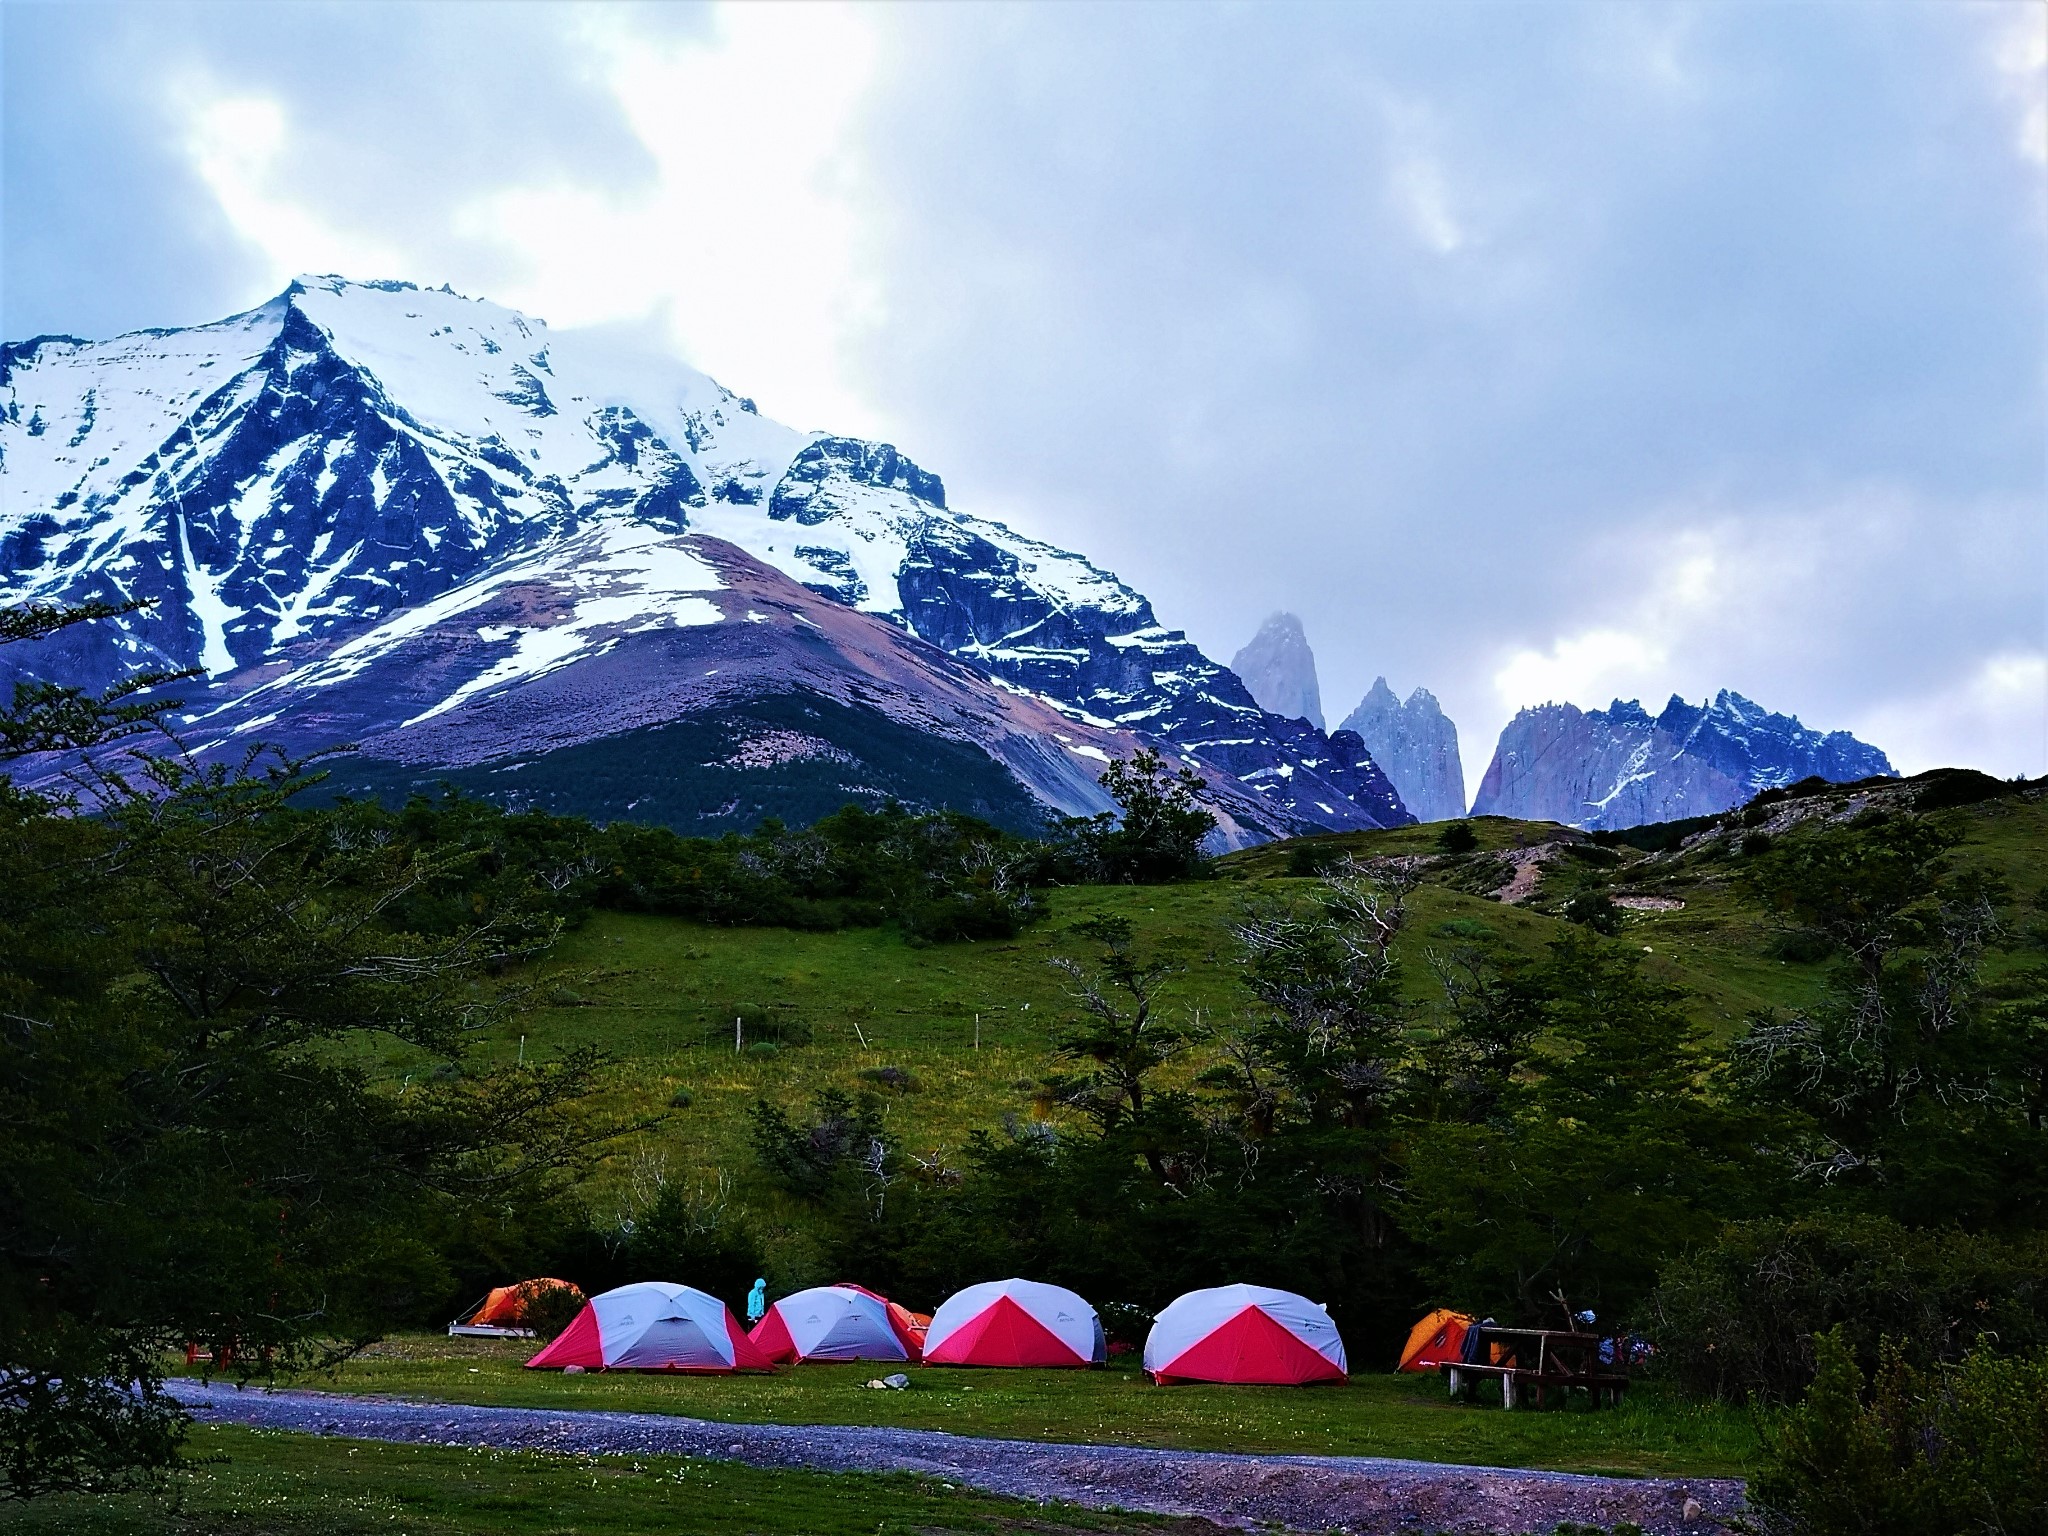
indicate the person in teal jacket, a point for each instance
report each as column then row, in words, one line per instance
column 757, row 1301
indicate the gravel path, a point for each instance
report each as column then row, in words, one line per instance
column 1361, row 1494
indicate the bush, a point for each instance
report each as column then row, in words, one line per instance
column 1738, row 1319
column 1313, row 857
column 547, row 1308
column 1801, row 946
column 1595, row 910
column 1457, row 837
column 895, row 1079
column 1907, row 1453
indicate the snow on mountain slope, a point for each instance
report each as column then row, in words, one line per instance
column 298, row 475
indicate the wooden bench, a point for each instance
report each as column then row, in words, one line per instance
column 1516, row 1382
column 1534, row 1360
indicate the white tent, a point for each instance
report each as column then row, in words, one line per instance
column 654, row 1326
column 834, row 1322
column 1244, row 1333
column 1014, row 1322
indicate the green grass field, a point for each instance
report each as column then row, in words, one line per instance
column 1372, row 1415
column 661, row 994
column 261, row 1483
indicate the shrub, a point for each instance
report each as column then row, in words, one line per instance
column 1595, row 910
column 1801, row 946
column 1312, row 857
column 1738, row 1319
column 548, row 1309
column 1906, row 1453
column 895, row 1079
column 1457, row 837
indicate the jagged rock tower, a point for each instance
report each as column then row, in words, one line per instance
column 1280, row 670
column 1416, row 745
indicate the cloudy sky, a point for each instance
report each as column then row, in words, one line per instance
column 1527, row 351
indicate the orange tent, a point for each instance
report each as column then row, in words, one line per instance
column 1436, row 1339
column 502, row 1312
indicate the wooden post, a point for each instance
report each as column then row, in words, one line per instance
column 1452, row 1373
column 977, row 1031
column 1507, row 1390
column 736, row 1032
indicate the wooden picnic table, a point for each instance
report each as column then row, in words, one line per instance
column 1541, row 1360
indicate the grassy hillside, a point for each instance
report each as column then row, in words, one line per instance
column 662, row 994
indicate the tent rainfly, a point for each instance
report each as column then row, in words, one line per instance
column 653, row 1326
column 502, row 1312
column 838, row 1322
column 1439, row 1338
column 1015, row 1323
column 1244, row 1333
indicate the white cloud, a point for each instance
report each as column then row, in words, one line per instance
column 743, row 250
column 746, row 247
column 1423, row 197
column 1587, row 668
column 236, row 144
column 2019, row 55
column 1993, row 717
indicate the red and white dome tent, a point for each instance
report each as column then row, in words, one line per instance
column 838, row 1322
column 1015, row 1323
column 653, row 1326
column 1244, row 1333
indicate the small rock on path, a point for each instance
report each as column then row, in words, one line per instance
column 1370, row 1496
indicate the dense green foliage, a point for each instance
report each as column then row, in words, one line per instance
column 1950, row 1452
column 1739, row 1315
column 1154, row 835
column 940, row 876
column 186, row 1153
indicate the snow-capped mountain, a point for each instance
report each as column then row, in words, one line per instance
column 356, row 470
column 1622, row 767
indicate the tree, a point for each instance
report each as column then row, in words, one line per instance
column 191, row 1146
column 1605, row 1156
column 1156, row 834
column 1121, row 1040
column 1908, row 1089
column 1314, row 1080
column 46, row 717
column 1902, row 1452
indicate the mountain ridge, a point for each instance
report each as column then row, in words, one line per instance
column 311, row 469
column 1622, row 767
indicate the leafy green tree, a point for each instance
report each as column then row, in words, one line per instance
column 1908, row 1089
column 46, row 717
column 1737, row 1318
column 1122, row 1038
column 1606, row 1154
column 1155, row 836
column 191, row 1148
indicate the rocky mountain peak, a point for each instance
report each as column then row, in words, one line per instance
column 1280, row 670
column 1622, row 767
column 1417, row 745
